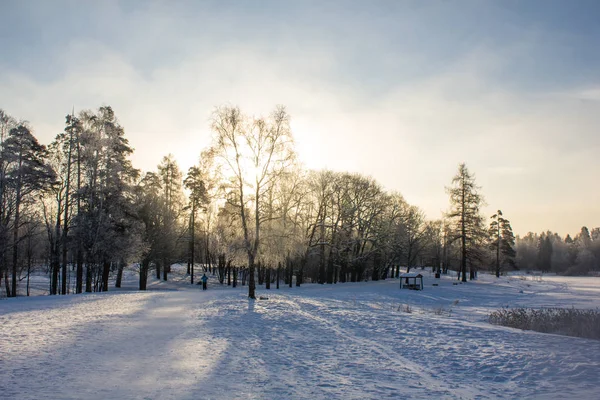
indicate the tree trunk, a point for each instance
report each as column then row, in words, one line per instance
column 105, row 273
column 463, row 239
column 192, row 275
column 88, row 278
column 166, row 271
column 229, row 273
column 157, row 270
column 300, row 274
column 17, row 221
column 498, row 252
column 268, row 278
column 251, row 282
column 144, row 274
column 28, row 274
column 63, row 289
column 55, row 266
column 79, row 279
column 278, row 269
column 193, row 244
column 259, row 270
column 235, row 276
column 330, row 263
column 120, row 274
column 6, row 282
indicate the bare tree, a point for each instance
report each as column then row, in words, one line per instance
column 254, row 153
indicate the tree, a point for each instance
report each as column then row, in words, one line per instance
column 71, row 130
column 6, row 124
column 198, row 197
column 544, row 257
column 434, row 233
column 253, row 153
column 414, row 235
column 27, row 174
column 171, row 178
column 60, row 219
column 106, row 223
column 465, row 212
column 502, row 242
column 149, row 212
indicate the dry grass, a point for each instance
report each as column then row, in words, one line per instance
column 562, row 321
column 405, row 307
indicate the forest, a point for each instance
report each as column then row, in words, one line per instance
column 247, row 212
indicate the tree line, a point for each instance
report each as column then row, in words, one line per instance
column 246, row 211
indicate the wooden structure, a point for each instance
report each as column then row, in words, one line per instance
column 411, row 280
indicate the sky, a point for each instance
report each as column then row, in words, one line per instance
column 402, row 91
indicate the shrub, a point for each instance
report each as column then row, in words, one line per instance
column 562, row 321
column 405, row 307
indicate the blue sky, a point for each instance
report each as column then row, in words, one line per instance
column 400, row 90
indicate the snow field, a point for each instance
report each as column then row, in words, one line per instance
column 344, row 341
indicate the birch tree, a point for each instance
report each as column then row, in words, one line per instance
column 254, row 152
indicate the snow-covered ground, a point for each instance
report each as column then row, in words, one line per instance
column 344, row 341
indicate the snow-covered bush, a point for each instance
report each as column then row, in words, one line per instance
column 562, row 321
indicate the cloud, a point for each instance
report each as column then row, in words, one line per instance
column 404, row 116
column 589, row 94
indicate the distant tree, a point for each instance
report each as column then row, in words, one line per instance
column 149, row 210
column 584, row 238
column 465, row 213
column 595, row 247
column 414, row 235
column 502, row 242
column 393, row 234
column 561, row 255
column 194, row 182
column 568, row 239
column 434, row 233
column 526, row 249
column 172, row 182
column 544, row 258
column 584, row 250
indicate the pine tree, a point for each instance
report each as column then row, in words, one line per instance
column 27, row 173
column 195, row 184
column 172, row 181
column 502, row 242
